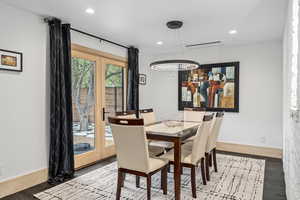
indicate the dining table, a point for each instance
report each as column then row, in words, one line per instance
column 173, row 131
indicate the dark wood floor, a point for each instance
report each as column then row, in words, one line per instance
column 274, row 186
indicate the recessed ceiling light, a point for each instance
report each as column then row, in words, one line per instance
column 159, row 43
column 232, row 32
column 90, row 11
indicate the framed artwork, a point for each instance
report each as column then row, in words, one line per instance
column 11, row 60
column 142, row 79
column 211, row 86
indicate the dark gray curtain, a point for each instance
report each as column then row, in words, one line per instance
column 133, row 80
column 61, row 158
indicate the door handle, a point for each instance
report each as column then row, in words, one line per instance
column 103, row 114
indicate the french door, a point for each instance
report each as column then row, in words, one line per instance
column 98, row 91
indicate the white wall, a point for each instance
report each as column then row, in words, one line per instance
column 259, row 121
column 23, row 100
column 83, row 40
column 24, row 97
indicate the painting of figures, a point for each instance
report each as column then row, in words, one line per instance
column 212, row 86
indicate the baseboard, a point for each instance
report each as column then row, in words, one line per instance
column 248, row 149
column 23, row 182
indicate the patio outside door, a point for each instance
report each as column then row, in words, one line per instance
column 97, row 92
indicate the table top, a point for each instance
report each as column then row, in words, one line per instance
column 172, row 128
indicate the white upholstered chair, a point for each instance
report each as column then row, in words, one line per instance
column 156, row 146
column 131, row 114
column 191, row 158
column 193, row 115
column 132, row 153
column 148, row 116
column 210, row 151
column 212, row 142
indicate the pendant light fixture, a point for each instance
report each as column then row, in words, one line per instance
column 175, row 64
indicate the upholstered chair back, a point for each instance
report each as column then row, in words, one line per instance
column 215, row 131
column 200, row 141
column 129, row 114
column 131, row 145
column 148, row 116
column 193, row 114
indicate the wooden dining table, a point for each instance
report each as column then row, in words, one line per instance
column 175, row 132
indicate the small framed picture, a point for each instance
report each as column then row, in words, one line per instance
column 142, row 79
column 11, row 60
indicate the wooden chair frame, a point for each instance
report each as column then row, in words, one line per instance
column 122, row 171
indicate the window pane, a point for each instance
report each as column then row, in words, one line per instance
column 114, row 93
column 83, row 102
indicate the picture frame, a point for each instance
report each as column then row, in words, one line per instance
column 214, row 87
column 142, row 79
column 11, row 60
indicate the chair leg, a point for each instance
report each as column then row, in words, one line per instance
column 148, row 187
column 164, row 180
column 123, row 179
column 210, row 159
column 169, row 168
column 119, row 185
column 203, row 171
column 215, row 159
column 207, row 166
column 137, row 181
column 193, row 181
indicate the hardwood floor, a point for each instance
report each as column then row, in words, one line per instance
column 274, row 186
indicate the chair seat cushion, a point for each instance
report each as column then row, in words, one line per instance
column 189, row 146
column 186, row 156
column 161, row 144
column 155, row 150
column 156, row 163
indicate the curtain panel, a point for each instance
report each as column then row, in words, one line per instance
column 133, row 80
column 61, row 155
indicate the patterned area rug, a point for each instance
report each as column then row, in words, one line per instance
column 238, row 178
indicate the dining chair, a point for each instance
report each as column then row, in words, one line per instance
column 129, row 114
column 210, row 152
column 193, row 115
column 149, row 118
column 132, row 154
column 211, row 145
column 192, row 159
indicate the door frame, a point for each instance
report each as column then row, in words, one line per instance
column 101, row 59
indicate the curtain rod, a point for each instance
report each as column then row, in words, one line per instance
column 101, row 39
column 47, row 19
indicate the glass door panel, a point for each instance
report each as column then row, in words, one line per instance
column 114, row 78
column 114, row 93
column 83, row 102
column 85, row 98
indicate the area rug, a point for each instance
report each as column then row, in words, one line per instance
column 238, row 178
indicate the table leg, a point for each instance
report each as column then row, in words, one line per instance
column 177, row 167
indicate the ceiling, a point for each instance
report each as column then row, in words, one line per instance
column 142, row 22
